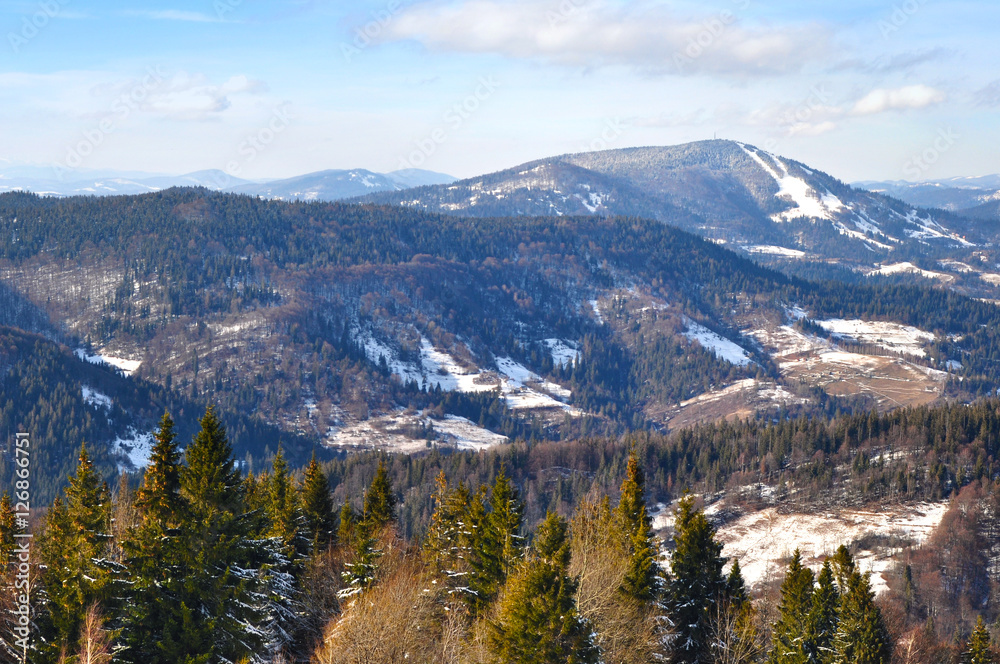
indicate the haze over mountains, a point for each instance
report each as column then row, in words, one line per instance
column 327, row 185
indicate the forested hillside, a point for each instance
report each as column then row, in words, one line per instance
column 345, row 324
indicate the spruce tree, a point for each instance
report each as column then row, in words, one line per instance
column 505, row 522
column 642, row 578
column 360, row 573
column 790, row 633
column 979, row 649
column 74, row 551
column 380, row 501
column 823, row 618
column 155, row 553
column 862, row 637
column 446, row 547
column 284, row 512
column 736, row 587
column 537, row 621
column 495, row 546
column 347, row 528
column 317, row 507
column 696, row 584
column 223, row 597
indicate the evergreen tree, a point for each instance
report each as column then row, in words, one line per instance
column 347, row 528
column 284, row 512
column 862, row 637
column 823, row 618
column 790, row 633
column 447, row 544
column 736, row 587
column 317, row 506
column 495, row 546
column 73, row 549
column 155, row 553
column 223, row 598
column 380, row 501
column 842, row 564
column 642, row 579
column 537, row 621
column 158, row 499
column 979, row 649
column 360, row 573
column 696, row 584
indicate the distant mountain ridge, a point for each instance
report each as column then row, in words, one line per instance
column 955, row 194
column 329, row 185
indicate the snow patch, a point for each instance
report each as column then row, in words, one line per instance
column 136, row 447
column 774, row 250
column 95, row 398
column 597, row 311
column 797, row 191
column 128, row 367
column 910, row 268
column 563, row 352
column 722, row 348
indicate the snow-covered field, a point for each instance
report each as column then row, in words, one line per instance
column 774, row 250
column 721, row 347
column 128, row 367
column 392, row 433
column 910, row 268
column 990, row 278
column 762, row 541
column 891, row 336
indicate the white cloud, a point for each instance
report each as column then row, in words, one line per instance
column 91, row 95
column 898, row 99
column 193, row 97
column 596, row 34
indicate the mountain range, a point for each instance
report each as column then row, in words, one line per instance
column 327, row 185
column 647, row 288
column 955, row 194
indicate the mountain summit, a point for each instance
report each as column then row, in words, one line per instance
column 730, row 192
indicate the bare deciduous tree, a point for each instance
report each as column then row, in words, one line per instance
column 95, row 641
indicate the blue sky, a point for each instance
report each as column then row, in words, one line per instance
column 864, row 90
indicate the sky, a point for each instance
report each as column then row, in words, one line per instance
column 877, row 90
